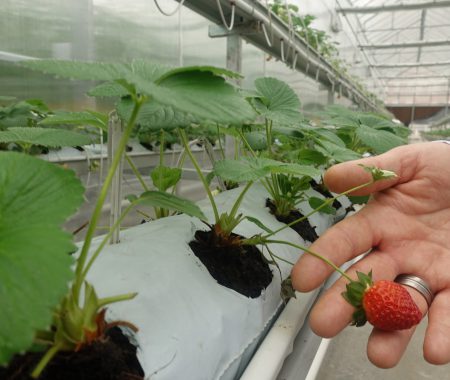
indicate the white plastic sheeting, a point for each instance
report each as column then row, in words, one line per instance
column 189, row 326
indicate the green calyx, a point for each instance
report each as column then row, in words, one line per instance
column 74, row 321
column 76, row 325
column 354, row 296
column 377, row 173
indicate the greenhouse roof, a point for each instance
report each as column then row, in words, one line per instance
column 406, row 44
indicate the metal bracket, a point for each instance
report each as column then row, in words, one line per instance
column 243, row 29
column 115, row 131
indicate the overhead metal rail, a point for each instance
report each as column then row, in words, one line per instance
column 260, row 27
column 410, row 77
column 410, row 64
column 13, row 57
column 405, row 45
column 421, row 85
column 397, row 29
column 395, row 7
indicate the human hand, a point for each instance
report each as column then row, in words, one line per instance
column 407, row 223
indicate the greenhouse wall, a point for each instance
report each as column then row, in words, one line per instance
column 112, row 30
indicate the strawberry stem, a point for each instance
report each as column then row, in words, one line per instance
column 325, row 203
column 312, row 253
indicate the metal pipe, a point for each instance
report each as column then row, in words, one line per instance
column 411, row 64
column 407, row 44
column 396, row 7
column 13, row 57
column 441, row 76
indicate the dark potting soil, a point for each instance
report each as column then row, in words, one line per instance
column 303, row 228
column 113, row 358
column 322, row 190
column 239, row 267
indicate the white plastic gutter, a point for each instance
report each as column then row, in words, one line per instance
column 278, row 344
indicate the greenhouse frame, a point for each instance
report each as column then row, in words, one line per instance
column 162, row 180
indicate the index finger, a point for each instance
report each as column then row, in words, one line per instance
column 402, row 161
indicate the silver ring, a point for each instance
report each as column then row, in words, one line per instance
column 416, row 283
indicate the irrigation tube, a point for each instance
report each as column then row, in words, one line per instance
column 318, row 359
column 278, row 344
column 262, row 16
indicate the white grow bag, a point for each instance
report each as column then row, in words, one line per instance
column 190, row 327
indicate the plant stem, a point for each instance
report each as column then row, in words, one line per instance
column 200, row 174
column 326, row 203
column 320, row 257
column 244, row 140
column 101, row 200
column 104, row 241
column 136, row 172
column 269, row 136
column 238, row 201
column 222, row 152
column 236, row 148
column 161, row 151
column 280, row 258
column 48, row 356
column 108, row 300
column 159, row 212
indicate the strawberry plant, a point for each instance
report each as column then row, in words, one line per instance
column 365, row 132
column 34, row 272
column 23, row 128
column 279, row 106
column 193, row 92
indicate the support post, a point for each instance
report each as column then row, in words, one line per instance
column 234, row 63
column 115, row 131
column 330, row 98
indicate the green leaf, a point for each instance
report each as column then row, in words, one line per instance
column 197, row 90
column 153, row 116
column 211, row 69
column 359, row 200
column 108, row 90
column 311, row 156
column 7, row 99
column 277, row 102
column 153, row 71
column 377, row 139
column 147, row 70
column 257, row 140
column 380, row 122
column 336, row 152
column 25, row 113
column 254, row 168
column 35, row 266
column 327, row 134
column 297, row 170
column 131, row 198
column 244, row 169
column 170, row 202
column 93, row 118
column 43, row 136
column 315, row 203
column 200, row 93
column 164, row 177
column 80, row 70
column 259, row 224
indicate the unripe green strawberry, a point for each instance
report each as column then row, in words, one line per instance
column 385, row 304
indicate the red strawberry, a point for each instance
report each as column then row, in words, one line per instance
column 385, row 304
